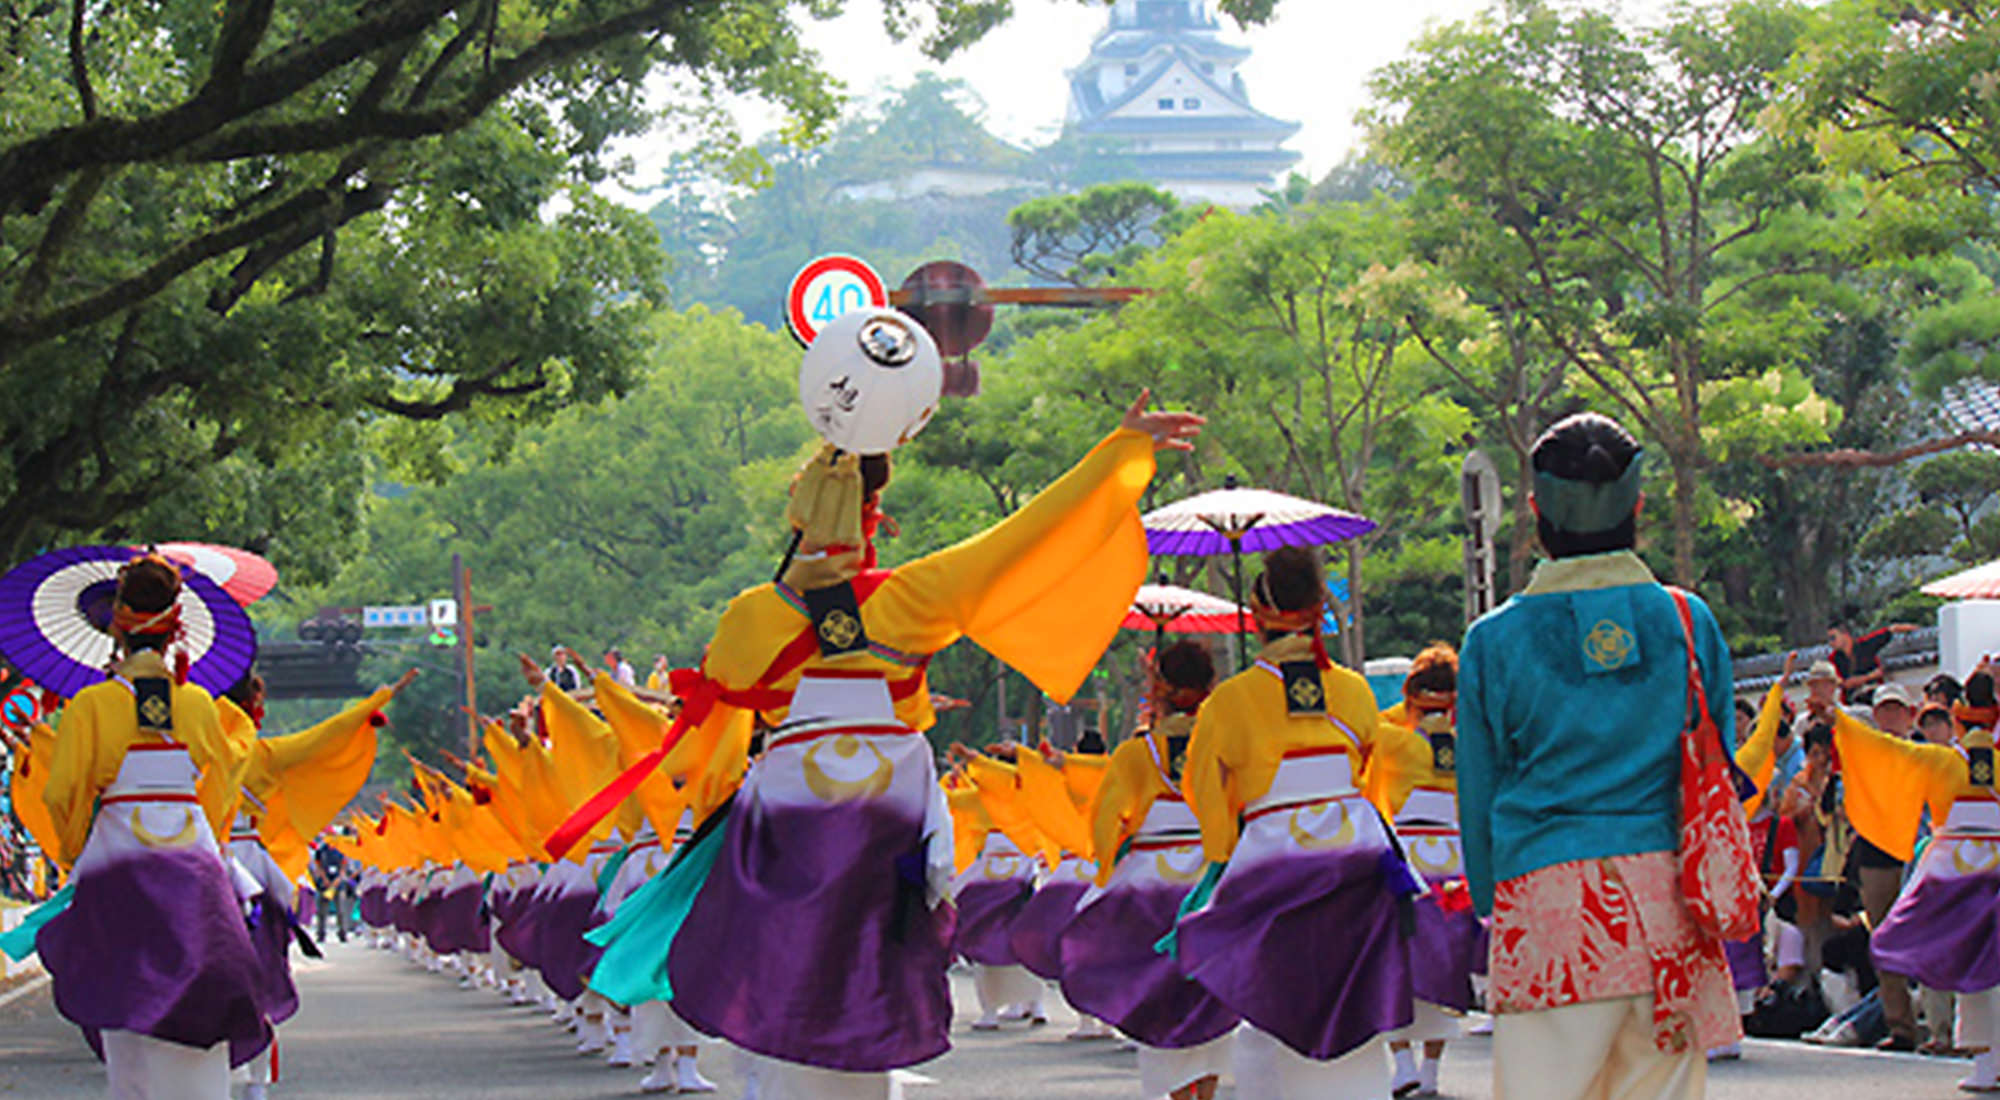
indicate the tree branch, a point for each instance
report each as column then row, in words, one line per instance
column 30, row 168
column 463, row 393
column 243, row 25
column 79, row 72
column 34, row 285
column 1848, row 458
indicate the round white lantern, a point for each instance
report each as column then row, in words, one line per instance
column 871, row 380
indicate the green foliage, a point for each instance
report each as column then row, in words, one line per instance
column 1601, row 180
column 1080, row 238
column 232, row 236
column 1904, row 91
column 1913, row 532
column 1273, row 325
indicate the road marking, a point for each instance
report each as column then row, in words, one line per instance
column 1852, row 1052
column 30, row 986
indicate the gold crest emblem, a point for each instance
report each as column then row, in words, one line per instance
column 839, row 629
column 155, row 711
column 1608, row 645
column 1306, row 695
column 1982, row 772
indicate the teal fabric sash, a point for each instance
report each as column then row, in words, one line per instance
column 20, row 943
column 640, row 935
column 1197, row 898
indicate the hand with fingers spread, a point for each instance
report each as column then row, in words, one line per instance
column 1171, row 431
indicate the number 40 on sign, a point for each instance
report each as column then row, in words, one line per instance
column 827, row 289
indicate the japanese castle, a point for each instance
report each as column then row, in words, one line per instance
column 1161, row 92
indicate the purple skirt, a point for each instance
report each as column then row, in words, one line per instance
column 456, row 922
column 374, row 905
column 1746, row 963
column 520, row 927
column 271, row 935
column 403, row 914
column 1036, row 933
column 157, row 945
column 561, row 954
column 1307, row 947
column 810, row 940
column 1448, row 948
column 986, row 912
column 1110, row 970
column 1944, row 931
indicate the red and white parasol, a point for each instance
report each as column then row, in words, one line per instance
column 1174, row 610
column 245, row 576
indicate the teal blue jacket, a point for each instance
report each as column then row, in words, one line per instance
column 1571, row 700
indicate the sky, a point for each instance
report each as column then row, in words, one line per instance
column 1311, row 65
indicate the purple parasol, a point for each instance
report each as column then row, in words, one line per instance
column 55, row 618
column 1200, row 526
column 1231, row 520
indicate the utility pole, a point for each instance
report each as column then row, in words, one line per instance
column 461, row 590
column 1479, row 496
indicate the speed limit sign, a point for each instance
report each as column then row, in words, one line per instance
column 828, row 288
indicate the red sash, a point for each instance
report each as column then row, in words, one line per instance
column 699, row 695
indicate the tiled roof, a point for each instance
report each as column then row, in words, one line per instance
column 1974, row 405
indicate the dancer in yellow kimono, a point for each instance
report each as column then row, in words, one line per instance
column 1148, row 848
column 995, row 887
column 293, row 788
column 152, row 957
column 837, row 847
column 1300, row 856
column 1944, row 928
column 1450, row 943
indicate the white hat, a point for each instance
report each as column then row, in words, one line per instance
column 1894, row 693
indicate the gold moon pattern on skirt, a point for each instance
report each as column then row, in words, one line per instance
column 828, row 787
column 1332, row 818
column 1433, row 855
column 1165, row 867
column 181, row 839
column 1974, row 856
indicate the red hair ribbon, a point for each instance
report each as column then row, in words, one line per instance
column 147, row 622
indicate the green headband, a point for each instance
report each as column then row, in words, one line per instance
column 1587, row 507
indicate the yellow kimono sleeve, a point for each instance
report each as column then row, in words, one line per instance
column 969, row 824
column 505, row 807
column 1083, row 773
column 1045, row 799
column 1757, row 755
column 584, row 749
column 999, row 786
column 640, row 727
column 1112, row 811
column 541, row 794
column 1045, row 589
column 321, row 768
column 1888, row 782
column 1216, row 752
column 223, row 756
column 30, row 778
column 1399, row 758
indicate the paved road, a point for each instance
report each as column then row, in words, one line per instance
column 373, row 1026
